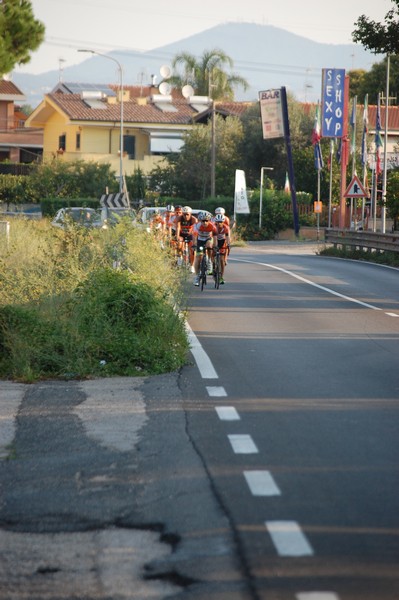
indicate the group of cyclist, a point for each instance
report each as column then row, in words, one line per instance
column 206, row 232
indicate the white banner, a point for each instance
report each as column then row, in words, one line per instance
column 240, row 195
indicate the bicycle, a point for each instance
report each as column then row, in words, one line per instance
column 217, row 268
column 203, row 269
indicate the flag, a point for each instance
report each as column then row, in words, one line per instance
column 287, row 187
column 316, row 136
column 353, row 126
column 365, row 130
column 240, row 194
column 378, row 140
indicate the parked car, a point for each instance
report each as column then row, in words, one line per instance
column 77, row 215
column 112, row 216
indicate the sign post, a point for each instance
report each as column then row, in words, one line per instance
column 275, row 124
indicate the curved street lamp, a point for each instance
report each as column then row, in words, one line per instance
column 121, row 113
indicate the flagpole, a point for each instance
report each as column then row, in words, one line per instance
column 330, row 189
column 364, row 150
column 384, row 173
column 353, row 150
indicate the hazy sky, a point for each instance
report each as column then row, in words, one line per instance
column 106, row 25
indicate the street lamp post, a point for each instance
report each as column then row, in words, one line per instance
column 121, row 112
column 262, row 169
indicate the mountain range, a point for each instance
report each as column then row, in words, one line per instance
column 266, row 56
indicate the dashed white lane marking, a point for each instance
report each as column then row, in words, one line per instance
column 243, row 444
column 391, row 314
column 316, row 285
column 288, row 538
column 216, row 391
column 261, row 483
column 227, row 413
column 203, row 361
column 316, row 596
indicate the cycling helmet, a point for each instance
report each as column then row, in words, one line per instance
column 220, row 218
column 156, row 212
column 219, row 211
column 170, row 208
column 203, row 216
column 187, row 209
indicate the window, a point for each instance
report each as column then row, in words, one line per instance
column 78, row 141
column 62, row 142
column 129, row 145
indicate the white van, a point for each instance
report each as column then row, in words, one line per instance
column 146, row 213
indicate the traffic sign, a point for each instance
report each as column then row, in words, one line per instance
column 355, row 189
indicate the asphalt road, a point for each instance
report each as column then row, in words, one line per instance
column 299, row 425
column 267, row 469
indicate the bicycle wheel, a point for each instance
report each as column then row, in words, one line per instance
column 203, row 270
column 217, row 270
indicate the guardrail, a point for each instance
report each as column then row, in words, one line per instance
column 363, row 240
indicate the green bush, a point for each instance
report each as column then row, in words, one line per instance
column 83, row 303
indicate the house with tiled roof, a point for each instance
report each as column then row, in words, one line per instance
column 83, row 122
column 18, row 144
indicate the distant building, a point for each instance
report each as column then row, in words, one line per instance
column 82, row 121
column 18, row 144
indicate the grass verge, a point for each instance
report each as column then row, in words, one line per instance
column 382, row 258
column 81, row 303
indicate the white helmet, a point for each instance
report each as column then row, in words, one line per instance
column 219, row 211
column 187, row 209
column 170, row 208
column 220, row 218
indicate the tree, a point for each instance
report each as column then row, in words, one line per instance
column 207, row 75
column 20, row 33
column 374, row 81
column 380, row 38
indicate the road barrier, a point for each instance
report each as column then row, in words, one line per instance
column 363, row 240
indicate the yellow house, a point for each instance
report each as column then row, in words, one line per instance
column 83, row 122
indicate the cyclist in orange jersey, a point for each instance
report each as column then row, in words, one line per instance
column 184, row 232
column 223, row 241
column 205, row 233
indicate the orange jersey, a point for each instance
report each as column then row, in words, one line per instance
column 205, row 230
column 223, row 231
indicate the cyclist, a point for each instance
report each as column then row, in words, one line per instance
column 158, row 225
column 184, row 232
column 223, row 241
column 205, row 233
column 170, row 218
column 221, row 211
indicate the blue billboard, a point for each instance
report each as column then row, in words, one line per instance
column 332, row 107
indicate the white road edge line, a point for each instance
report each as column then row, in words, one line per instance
column 391, row 314
column 316, row 285
column 227, row 413
column 261, row 483
column 242, row 444
column 203, row 361
column 288, row 538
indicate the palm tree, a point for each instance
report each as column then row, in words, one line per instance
column 207, row 75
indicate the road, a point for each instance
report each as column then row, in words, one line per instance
column 299, row 427
column 266, row 469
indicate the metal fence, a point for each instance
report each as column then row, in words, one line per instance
column 362, row 240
